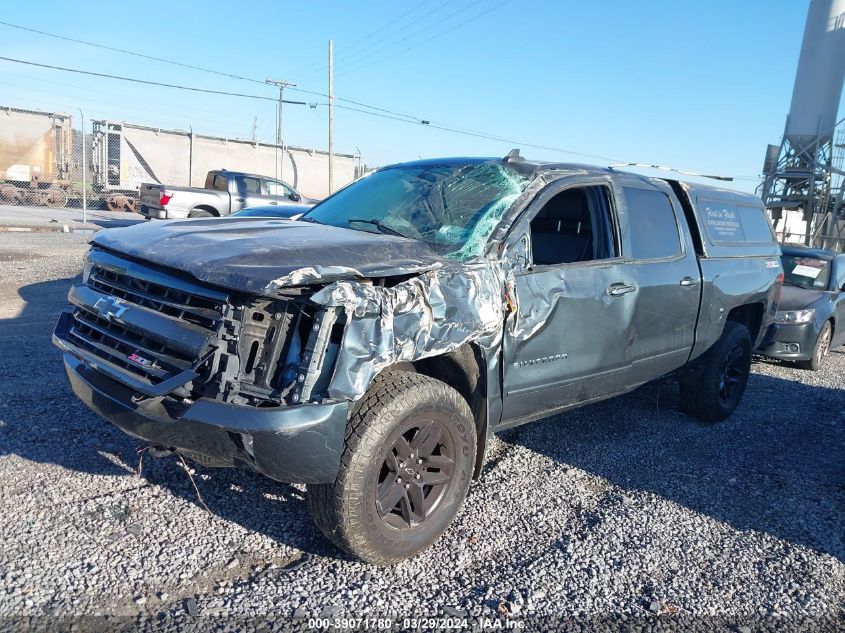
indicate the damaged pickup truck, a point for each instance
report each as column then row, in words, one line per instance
column 370, row 349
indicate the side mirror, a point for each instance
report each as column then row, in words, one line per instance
column 295, row 197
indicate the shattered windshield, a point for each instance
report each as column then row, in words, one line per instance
column 452, row 207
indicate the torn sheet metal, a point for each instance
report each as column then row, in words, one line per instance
column 312, row 274
column 261, row 255
column 428, row 315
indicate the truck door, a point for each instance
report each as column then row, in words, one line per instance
column 246, row 193
column 279, row 193
column 569, row 340
column 662, row 258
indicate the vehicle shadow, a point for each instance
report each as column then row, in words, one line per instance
column 42, row 421
column 776, row 466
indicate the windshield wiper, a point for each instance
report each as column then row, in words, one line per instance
column 305, row 218
column 381, row 226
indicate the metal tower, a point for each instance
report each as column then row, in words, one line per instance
column 803, row 176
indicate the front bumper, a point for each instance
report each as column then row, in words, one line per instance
column 295, row 444
column 794, row 341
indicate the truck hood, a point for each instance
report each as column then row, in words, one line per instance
column 260, row 255
column 795, row 298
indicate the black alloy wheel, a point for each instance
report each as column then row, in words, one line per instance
column 415, row 475
column 406, row 466
column 733, row 374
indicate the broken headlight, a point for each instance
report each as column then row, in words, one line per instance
column 795, row 316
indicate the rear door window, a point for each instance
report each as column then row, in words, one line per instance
column 731, row 225
column 652, row 224
column 250, row 186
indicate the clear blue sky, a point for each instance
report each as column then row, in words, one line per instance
column 697, row 85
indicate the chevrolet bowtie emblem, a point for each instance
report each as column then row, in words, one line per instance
column 110, row 308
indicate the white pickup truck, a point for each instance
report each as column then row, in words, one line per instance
column 225, row 192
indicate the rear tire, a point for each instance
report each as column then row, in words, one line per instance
column 405, row 469
column 200, row 213
column 820, row 349
column 717, row 388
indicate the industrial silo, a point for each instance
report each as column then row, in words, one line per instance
column 803, row 186
column 820, row 75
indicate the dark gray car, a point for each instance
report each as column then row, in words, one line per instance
column 811, row 311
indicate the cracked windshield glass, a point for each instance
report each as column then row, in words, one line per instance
column 451, row 207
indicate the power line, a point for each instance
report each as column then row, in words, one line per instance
column 147, row 82
column 379, row 112
column 484, row 135
column 183, row 65
column 425, row 41
column 411, row 36
column 309, row 68
column 371, row 107
column 121, row 50
column 392, row 34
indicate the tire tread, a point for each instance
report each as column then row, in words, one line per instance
column 332, row 505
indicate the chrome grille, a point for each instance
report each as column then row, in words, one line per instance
column 142, row 321
column 182, row 305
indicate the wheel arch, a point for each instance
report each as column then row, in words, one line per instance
column 751, row 316
column 463, row 369
column 206, row 208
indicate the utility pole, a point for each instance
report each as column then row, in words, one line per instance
column 282, row 84
column 331, row 119
column 254, row 127
column 84, row 170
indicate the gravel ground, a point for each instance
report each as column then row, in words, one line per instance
column 615, row 513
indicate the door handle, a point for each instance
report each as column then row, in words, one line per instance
column 274, row 202
column 689, row 282
column 615, row 290
column 239, row 199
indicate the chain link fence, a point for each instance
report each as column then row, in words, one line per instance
column 51, row 159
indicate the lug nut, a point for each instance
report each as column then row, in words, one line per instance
column 417, row 476
column 399, row 480
column 407, row 485
column 419, row 461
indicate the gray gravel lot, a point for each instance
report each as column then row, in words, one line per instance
column 622, row 509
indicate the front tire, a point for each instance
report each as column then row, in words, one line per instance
column 200, row 213
column 717, row 388
column 405, row 469
column 820, row 349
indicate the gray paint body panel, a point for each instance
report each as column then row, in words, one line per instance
column 552, row 338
